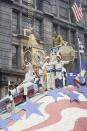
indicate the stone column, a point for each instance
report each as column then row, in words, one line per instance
column 20, row 23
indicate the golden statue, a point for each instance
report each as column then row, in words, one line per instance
column 58, row 40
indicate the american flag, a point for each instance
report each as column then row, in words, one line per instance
column 77, row 10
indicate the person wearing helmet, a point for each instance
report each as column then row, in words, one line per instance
column 58, row 69
column 61, row 72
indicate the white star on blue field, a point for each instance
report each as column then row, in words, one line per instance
column 31, row 107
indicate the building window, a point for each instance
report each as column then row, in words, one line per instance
column 38, row 28
column 64, row 32
column 47, row 8
column 38, row 4
column 85, row 41
column 25, row 21
column 15, row 22
column 73, row 37
column 14, row 56
column 63, row 9
column 53, row 4
column 55, row 28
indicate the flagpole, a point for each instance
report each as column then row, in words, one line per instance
column 80, row 58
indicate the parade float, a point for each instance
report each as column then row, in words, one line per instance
column 35, row 55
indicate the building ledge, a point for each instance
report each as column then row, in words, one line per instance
column 21, row 36
column 16, row 72
column 8, row 1
column 48, row 14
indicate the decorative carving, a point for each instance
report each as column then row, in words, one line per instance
column 38, row 56
column 58, row 41
column 67, row 52
column 27, row 56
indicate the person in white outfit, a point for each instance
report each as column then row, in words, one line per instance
column 60, row 71
column 28, row 81
column 50, row 73
column 64, row 75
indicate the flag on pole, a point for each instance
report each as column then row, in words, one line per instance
column 77, row 10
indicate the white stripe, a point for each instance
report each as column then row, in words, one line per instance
column 77, row 12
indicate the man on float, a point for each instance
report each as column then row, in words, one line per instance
column 10, row 104
column 28, row 81
column 60, row 71
column 49, row 66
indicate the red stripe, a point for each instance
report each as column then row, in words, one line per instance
column 81, row 124
column 77, row 10
column 55, row 113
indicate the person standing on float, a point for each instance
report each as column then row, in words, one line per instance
column 60, row 71
column 49, row 67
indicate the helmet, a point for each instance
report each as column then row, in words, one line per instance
column 47, row 58
column 59, row 55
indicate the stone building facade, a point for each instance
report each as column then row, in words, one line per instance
column 46, row 17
